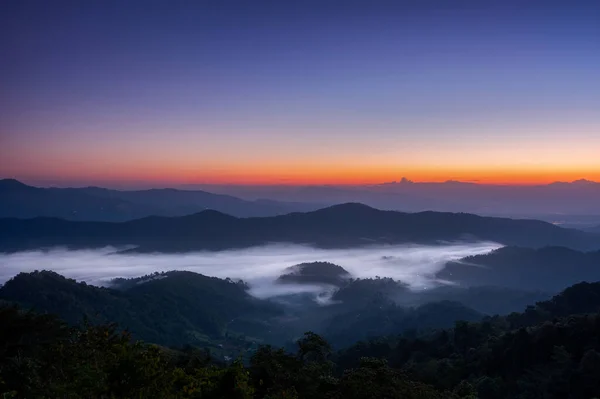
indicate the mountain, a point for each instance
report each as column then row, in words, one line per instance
column 559, row 200
column 547, row 269
column 177, row 308
column 571, row 204
column 172, row 308
column 23, row 201
column 314, row 273
column 346, row 328
column 550, row 350
column 340, row 226
column 99, row 204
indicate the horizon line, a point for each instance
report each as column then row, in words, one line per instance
column 52, row 183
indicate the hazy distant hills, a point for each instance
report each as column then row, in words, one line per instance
column 574, row 204
column 100, row 204
column 594, row 229
column 550, row 202
column 547, row 269
column 338, row 226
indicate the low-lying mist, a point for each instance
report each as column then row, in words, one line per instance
column 258, row 266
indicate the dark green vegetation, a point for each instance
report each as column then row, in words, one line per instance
column 347, row 225
column 100, row 204
column 43, row 358
column 548, row 269
column 552, row 350
column 173, row 308
column 315, row 272
column 178, row 308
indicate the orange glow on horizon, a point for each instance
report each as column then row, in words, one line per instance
column 325, row 176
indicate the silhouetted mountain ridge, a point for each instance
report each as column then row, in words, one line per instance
column 580, row 197
column 101, row 204
column 340, row 226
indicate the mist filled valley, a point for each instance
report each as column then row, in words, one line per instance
column 346, row 294
column 414, row 265
column 428, row 313
column 346, row 283
column 357, row 199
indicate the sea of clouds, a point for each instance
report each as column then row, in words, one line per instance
column 258, row 266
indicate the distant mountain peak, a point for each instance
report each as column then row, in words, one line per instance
column 583, row 182
column 404, row 180
column 580, row 182
column 12, row 184
column 349, row 207
column 211, row 214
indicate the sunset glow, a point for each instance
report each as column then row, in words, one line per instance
column 220, row 95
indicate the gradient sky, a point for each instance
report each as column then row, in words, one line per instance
column 299, row 92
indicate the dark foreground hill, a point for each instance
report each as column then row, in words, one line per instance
column 177, row 308
column 549, row 351
column 100, row 204
column 340, row 226
column 547, row 269
column 169, row 308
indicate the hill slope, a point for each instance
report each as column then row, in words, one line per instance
column 99, row 204
column 336, row 227
column 173, row 308
column 177, row 308
column 547, row 269
column 549, row 351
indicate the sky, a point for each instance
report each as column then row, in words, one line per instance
column 305, row 92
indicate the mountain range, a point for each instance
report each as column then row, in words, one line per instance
column 101, row 204
column 340, row 226
column 181, row 307
column 574, row 203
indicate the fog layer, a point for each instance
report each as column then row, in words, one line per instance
column 258, row 266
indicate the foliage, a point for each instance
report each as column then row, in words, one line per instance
column 549, row 351
column 315, row 272
column 548, row 269
column 173, row 308
column 43, row 358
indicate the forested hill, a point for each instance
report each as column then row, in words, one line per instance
column 177, row 308
column 337, row 226
column 548, row 269
column 549, row 351
column 171, row 308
